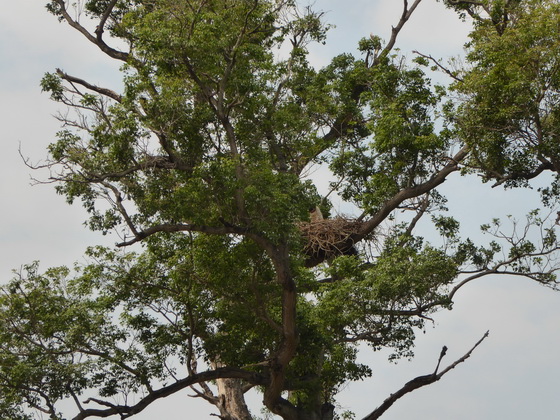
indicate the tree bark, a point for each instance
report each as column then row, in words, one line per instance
column 231, row 400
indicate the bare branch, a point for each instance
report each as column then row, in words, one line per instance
column 439, row 65
column 420, row 212
column 206, row 394
column 103, row 91
column 406, row 14
column 420, row 381
column 465, row 357
column 100, row 402
column 126, row 411
column 97, row 40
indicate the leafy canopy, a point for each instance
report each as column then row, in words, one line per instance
column 203, row 157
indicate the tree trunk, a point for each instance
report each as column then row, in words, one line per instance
column 231, row 400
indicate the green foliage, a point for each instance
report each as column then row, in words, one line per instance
column 385, row 295
column 404, row 145
column 509, row 115
column 43, row 323
column 204, row 157
column 53, row 84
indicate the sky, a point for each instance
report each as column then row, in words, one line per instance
column 514, row 374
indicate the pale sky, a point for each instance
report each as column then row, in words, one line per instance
column 513, row 375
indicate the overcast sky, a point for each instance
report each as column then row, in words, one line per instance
column 514, row 375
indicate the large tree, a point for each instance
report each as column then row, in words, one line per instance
column 199, row 161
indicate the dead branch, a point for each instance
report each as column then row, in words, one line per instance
column 103, row 91
column 440, row 66
column 421, row 381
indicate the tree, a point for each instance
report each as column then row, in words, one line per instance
column 200, row 163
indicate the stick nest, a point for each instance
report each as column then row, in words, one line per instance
column 329, row 237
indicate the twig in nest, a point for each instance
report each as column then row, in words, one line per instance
column 330, row 237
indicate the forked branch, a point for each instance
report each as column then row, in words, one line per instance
column 421, row 381
column 126, row 411
column 98, row 39
column 406, row 14
column 412, row 192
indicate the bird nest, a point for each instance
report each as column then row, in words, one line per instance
column 329, row 237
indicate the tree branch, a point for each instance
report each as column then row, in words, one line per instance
column 103, row 91
column 410, row 192
column 184, row 227
column 342, row 122
column 287, row 349
column 439, row 65
column 126, row 411
column 97, row 40
column 406, row 13
column 100, row 27
column 527, row 175
column 148, row 163
column 420, row 212
column 420, row 381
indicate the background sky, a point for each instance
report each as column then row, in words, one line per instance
column 514, row 374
